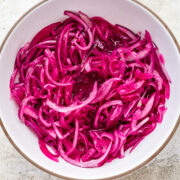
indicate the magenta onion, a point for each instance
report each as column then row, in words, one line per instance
column 89, row 90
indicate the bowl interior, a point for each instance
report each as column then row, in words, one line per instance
column 124, row 12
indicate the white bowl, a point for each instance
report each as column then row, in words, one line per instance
column 125, row 12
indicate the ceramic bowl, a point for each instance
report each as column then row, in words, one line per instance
column 125, row 12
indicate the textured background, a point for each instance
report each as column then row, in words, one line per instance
column 166, row 166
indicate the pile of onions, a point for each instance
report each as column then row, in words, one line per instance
column 89, row 90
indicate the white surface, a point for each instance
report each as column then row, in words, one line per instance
column 40, row 175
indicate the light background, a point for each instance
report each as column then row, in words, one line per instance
column 166, row 166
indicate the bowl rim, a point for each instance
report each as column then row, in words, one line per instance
column 112, row 177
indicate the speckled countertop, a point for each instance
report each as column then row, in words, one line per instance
column 166, row 166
